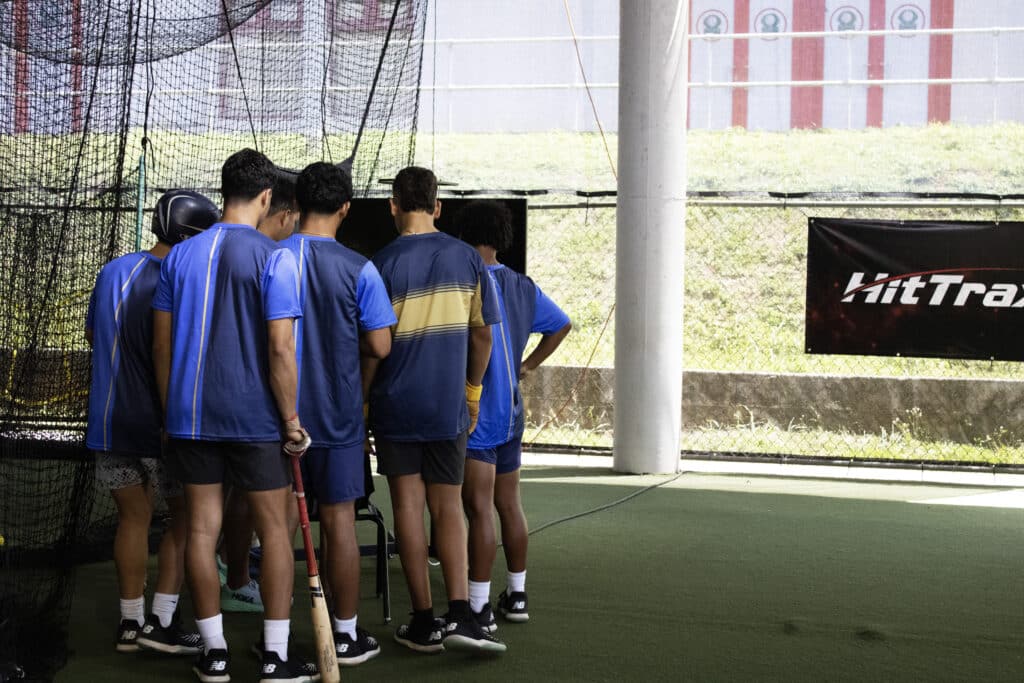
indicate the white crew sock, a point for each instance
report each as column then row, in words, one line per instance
column 347, row 626
column 164, row 605
column 479, row 594
column 516, row 582
column 211, row 630
column 275, row 636
column 134, row 609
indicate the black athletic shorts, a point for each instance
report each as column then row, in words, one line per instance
column 438, row 462
column 259, row 466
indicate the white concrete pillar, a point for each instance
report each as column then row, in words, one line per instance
column 650, row 234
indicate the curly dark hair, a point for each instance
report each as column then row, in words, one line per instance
column 323, row 188
column 245, row 174
column 485, row 221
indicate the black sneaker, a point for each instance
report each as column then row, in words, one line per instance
column 309, row 667
column 421, row 639
column 213, row 667
column 485, row 618
column 351, row 652
column 467, row 636
column 513, row 606
column 172, row 640
column 295, row 670
column 128, row 635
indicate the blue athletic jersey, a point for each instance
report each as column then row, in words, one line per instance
column 124, row 407
column 525, row 309
column 342, row 295
column 221, row 287
column 439, row 289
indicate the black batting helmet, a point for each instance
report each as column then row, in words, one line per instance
column 180, row 214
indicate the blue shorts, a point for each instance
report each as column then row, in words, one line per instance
column 335, row 474
column 508, row 457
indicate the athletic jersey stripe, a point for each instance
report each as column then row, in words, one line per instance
column 125, row 288
column 436, row 289
column 436, row 331
column 297, row 323
column 202, row 329
column 508, row 369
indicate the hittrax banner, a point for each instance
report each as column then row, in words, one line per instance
column 950, row 289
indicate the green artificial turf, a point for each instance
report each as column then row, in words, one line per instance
column 708, row 578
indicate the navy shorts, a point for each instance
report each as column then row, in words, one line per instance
column 334, row 474
column 258, row 466
column 508, row 457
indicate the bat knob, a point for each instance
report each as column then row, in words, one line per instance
column 297, row 447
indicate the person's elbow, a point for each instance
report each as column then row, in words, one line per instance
column 280, row 341
column 481, row 336
column 376, row 343
column 281, row 347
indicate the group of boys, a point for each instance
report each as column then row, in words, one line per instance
column 239, row 331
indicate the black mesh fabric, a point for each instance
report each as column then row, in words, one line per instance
column 105, row 104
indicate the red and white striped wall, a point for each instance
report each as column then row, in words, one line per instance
column 769, row 59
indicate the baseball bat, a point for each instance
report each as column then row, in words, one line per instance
column 323, row 634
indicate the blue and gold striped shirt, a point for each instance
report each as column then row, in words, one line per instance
column 439, row 289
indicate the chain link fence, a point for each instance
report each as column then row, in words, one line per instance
column 749, row 388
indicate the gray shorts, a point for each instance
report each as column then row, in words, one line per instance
column 437, row 462
column 117, row 471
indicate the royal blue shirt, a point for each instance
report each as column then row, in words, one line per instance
column 221, row 288
column 439, row 289
column 342, row 295
column 525, row 309
column 124, row 407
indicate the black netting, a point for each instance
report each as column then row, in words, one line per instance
column 106, row 32
column 105, row 104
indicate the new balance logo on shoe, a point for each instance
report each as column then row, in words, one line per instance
column 148, row 628
column 269, row 668
column 218, row 666
column 343, row 648
column 131, row 635
column 519, row 605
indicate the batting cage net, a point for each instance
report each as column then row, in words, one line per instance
column 104, row 105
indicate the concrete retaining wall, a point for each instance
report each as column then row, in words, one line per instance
column 961, row 410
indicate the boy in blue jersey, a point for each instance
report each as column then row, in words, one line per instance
column 124, row 428
column 423, row 403
column 345, row 312
column 494, row 450
column 239, row 591
column 224, row 357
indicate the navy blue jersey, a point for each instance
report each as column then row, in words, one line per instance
column 124, row 407
column 525, row 309
column 221, row 287
column 341, row 295
column 439, row 289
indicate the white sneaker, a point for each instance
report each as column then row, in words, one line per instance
column 244, row 599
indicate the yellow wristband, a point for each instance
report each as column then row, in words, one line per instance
column 473, row 391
